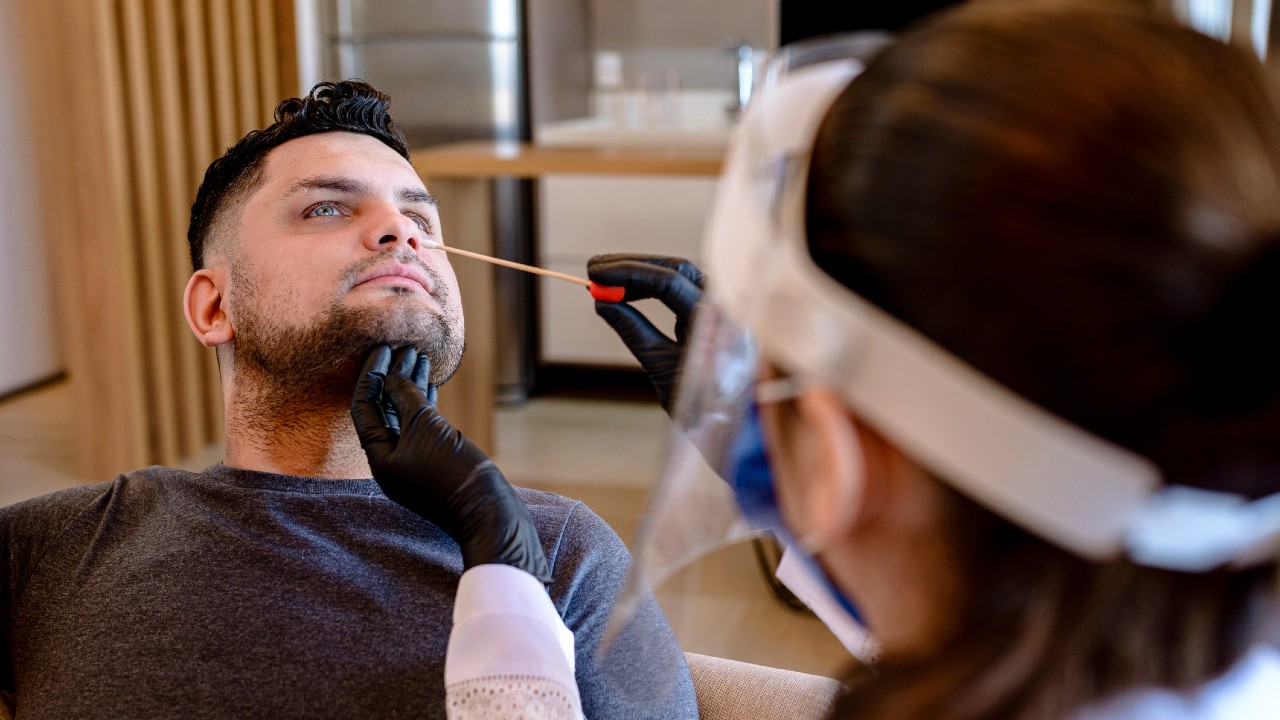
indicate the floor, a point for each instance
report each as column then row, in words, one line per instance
column 605, row 453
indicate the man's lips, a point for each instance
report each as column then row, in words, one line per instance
column 399, row 270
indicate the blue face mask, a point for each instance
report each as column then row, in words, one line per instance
column 752, row 484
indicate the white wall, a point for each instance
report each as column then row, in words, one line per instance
column 29, row 350
column 1216, row 18
column 688, row 36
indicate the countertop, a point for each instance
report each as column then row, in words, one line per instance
column 486, row 159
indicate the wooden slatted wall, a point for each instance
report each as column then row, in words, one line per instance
column 134, row 99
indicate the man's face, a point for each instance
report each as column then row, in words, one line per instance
column 330, row 256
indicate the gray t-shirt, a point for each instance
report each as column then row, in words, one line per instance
column 231, row 593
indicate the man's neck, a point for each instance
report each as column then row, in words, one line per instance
column 311, row 441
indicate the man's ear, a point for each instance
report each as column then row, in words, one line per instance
column 203, row 304
column 843, row 490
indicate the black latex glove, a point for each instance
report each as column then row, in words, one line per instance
column 431, row 469
column 677, row 283
column 421, row 378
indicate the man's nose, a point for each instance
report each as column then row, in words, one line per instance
column 392, row 227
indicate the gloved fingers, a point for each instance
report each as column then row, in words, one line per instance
column 373, row 375
column 405, row 395
column 644, row 279
column 422, row 371
column 603, row 263
column 639, row 335
column 422, row 378
column 683, row 324
column 402, row 361
column 681, row 265
column 367, row 413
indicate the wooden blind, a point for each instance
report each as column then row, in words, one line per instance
column 133, row 99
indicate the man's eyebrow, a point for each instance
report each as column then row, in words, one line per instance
column 335, row 183
column 415, row 195
column 350, row 186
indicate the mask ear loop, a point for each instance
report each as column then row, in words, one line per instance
column 815, row 588
column 778, row 390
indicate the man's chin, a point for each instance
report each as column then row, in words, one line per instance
column 327, row 355
column 395, row 323
column 407, row 324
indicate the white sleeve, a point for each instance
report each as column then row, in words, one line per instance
column 510, row 655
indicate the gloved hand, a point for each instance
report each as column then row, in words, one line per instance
column 674, row 281
column 421, row 373
column 431, row 469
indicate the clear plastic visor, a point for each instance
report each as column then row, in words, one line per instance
column 693, row 509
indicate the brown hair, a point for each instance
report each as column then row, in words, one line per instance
column 1083, row 202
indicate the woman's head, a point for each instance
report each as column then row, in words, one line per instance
column 1083, row 204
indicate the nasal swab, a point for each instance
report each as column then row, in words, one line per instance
column 605, row 293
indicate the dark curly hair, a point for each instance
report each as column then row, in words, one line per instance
column 347, row 106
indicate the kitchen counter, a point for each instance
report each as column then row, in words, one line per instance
column 497, row 159
column 459, row 175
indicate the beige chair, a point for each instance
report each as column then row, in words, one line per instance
column 732, row 690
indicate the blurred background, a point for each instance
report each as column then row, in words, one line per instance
column 552, row 130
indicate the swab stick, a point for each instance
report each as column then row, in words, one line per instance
column 605, row 293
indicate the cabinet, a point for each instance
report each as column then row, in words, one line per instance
column 584, row 215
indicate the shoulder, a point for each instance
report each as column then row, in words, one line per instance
column 569, row 528
column 155, row 475
column 49, row 513
column 589, row 562
column 56, row 508
column 550, row 508
column 29, row 529
column 542, row 501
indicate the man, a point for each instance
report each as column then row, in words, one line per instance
column 283, row 582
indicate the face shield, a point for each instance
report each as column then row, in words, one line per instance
column 768, row 303
column 715, row 433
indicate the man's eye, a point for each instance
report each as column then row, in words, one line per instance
column 423, row 224
column 323, row 210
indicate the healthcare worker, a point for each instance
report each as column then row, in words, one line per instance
column 987, row 338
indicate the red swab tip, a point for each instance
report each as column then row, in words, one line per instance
column 607, row 293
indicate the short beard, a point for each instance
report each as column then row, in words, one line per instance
column 314, row 367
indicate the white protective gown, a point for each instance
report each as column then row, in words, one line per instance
column 510, row 655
